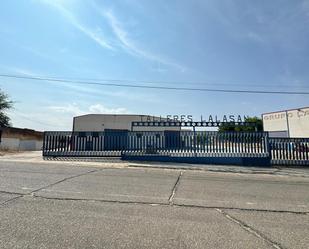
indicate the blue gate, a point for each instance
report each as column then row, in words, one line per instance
column 242, row 148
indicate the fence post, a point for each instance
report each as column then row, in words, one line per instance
column 44, row 144
column 194, row 140
column 268, row 146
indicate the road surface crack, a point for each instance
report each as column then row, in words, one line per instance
column 171, row 198
column 100, row 200
column 244, row 209
column 63, row 180
column 32, row 193
column 152, row 203
column 12, row 199
column 250, row 230
column 10, row 193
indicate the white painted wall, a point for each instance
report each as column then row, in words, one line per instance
column 30, row 145
column 275, row 121
column 9, row 143
column 101, row 122
column 22, row 145
column 298, row 122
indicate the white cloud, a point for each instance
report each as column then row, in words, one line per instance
column 57, row 117
column 98, row 108
column 69, row 108
column 131, row 47
column 75, row 110
column 18, row 70
column 127, row 44
column 86, row 91
column 40, row 120
column 95, row 35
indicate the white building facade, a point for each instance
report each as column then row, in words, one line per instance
column 287, row 123
column 115, row 122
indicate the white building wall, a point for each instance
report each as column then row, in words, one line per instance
column 22, row 145
column 101, row 122
column 9, row 144
column 299, row 123
column 275, row 121
column 30, row 145
column 297, row 120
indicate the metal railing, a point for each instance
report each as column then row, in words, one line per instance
column 281, row 151
column 289, row 151
column 173, row 143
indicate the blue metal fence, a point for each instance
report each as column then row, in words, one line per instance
column 179, row 145
column 176, row 143
column 289, row 151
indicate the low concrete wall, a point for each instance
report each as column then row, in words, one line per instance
column 9, row 143
column 18, row 144
column 30, row 145
column 20, row 139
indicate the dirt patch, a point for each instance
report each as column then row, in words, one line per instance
column 6, row 152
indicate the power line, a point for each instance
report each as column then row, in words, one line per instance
column 175, row 82
column 31, row 120
column 59, row 80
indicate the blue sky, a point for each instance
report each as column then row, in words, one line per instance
column 246, row 45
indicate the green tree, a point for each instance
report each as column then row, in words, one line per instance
column 257, row 127
column 5, row 105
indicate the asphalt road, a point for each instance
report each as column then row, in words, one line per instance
column 55, row 205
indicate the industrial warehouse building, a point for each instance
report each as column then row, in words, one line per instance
column 287, row 123
column 116, row 128
column 116, row 122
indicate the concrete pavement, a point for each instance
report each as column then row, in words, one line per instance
column 258, row 191
column 54, row 224
column 288, row 229
column 54, row 205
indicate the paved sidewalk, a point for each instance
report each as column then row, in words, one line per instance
column 36, row 158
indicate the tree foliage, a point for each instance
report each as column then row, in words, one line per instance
column 258, row 125
column 5, row 105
